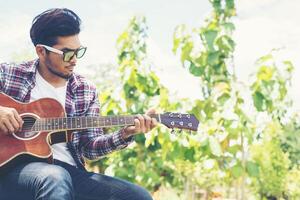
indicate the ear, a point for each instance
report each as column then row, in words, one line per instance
column 40, row 51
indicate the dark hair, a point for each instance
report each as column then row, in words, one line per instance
column 50, row 24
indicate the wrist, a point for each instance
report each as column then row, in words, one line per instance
column 125, row 133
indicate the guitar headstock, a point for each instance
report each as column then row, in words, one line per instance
column 180, row 121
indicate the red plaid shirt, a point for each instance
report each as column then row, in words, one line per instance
column 17, row 81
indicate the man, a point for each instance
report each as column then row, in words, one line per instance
column 55, row 35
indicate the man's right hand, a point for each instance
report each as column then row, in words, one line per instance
column 10, row 120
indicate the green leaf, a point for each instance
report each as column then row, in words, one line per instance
column 229, row 4
column 237, row 170
column 189, row 154
column 176, row 43
column 201, row 60
column 217, row 6
column 213, row 58
column 178, row 37
column 258, row 99
column 210, row 36
column 234, row 149
column 252, row 169
column 209, row 108
column 223, row 98
column 229, row 27
column 140, row 139
column 226, row 43
column 195, row 70
column 186, row 51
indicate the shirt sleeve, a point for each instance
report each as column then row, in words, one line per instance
column 1, row 77
column 94, row 143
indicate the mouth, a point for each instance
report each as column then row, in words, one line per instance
column 71, row 68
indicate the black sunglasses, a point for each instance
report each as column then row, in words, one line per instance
column 67, row 54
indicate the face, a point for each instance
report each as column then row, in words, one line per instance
column 54, row 64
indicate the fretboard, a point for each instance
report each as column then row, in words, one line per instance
column 76, row 123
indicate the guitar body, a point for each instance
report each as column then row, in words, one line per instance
column 14, row 148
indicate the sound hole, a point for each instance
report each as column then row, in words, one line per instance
column 26, row 132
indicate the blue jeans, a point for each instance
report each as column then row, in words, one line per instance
column 61, row 181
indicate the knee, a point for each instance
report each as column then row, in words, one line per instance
column 140, row 193
column 53, row 181
column 55, row 175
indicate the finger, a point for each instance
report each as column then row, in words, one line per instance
column 151, row 111
column 18, row 118
column 3, row 129
column 15, row 124
column 137, row 125
column 142, row 123
column 153, row 123
column 9, row 126
column 147, row 122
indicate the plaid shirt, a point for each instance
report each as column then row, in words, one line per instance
column 17, row 81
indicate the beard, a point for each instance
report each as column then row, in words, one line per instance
column 57, row 73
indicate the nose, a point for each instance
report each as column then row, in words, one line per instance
column 73, row 61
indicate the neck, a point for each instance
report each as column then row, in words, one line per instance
column 77, row 123
column 51, row 78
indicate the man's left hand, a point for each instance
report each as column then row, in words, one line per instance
column 142, row 124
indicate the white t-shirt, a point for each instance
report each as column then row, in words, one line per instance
column 43, row 89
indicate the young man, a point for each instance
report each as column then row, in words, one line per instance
column 55, row 35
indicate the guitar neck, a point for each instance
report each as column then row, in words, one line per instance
column 77, row 123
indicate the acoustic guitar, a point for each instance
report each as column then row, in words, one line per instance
column 45, row 120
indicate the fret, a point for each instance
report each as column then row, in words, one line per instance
column 44, row 125
column 78, row 123
column 69, row 123
column 101, row 121
column 73, row 122
column 107, row 121
column 60, row 123
column 40, row 124
column 110, row 120
column 56, row 123
column 122, row 120
column 89, row 122
column 95, row 122
column 64, row 123
column 129, row 120
column 114, row 121
column 37, row 125
column 84, row 122
column 48, row 124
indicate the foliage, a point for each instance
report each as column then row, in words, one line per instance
column 247, row 135
column 156, row 152
column 273, row 163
